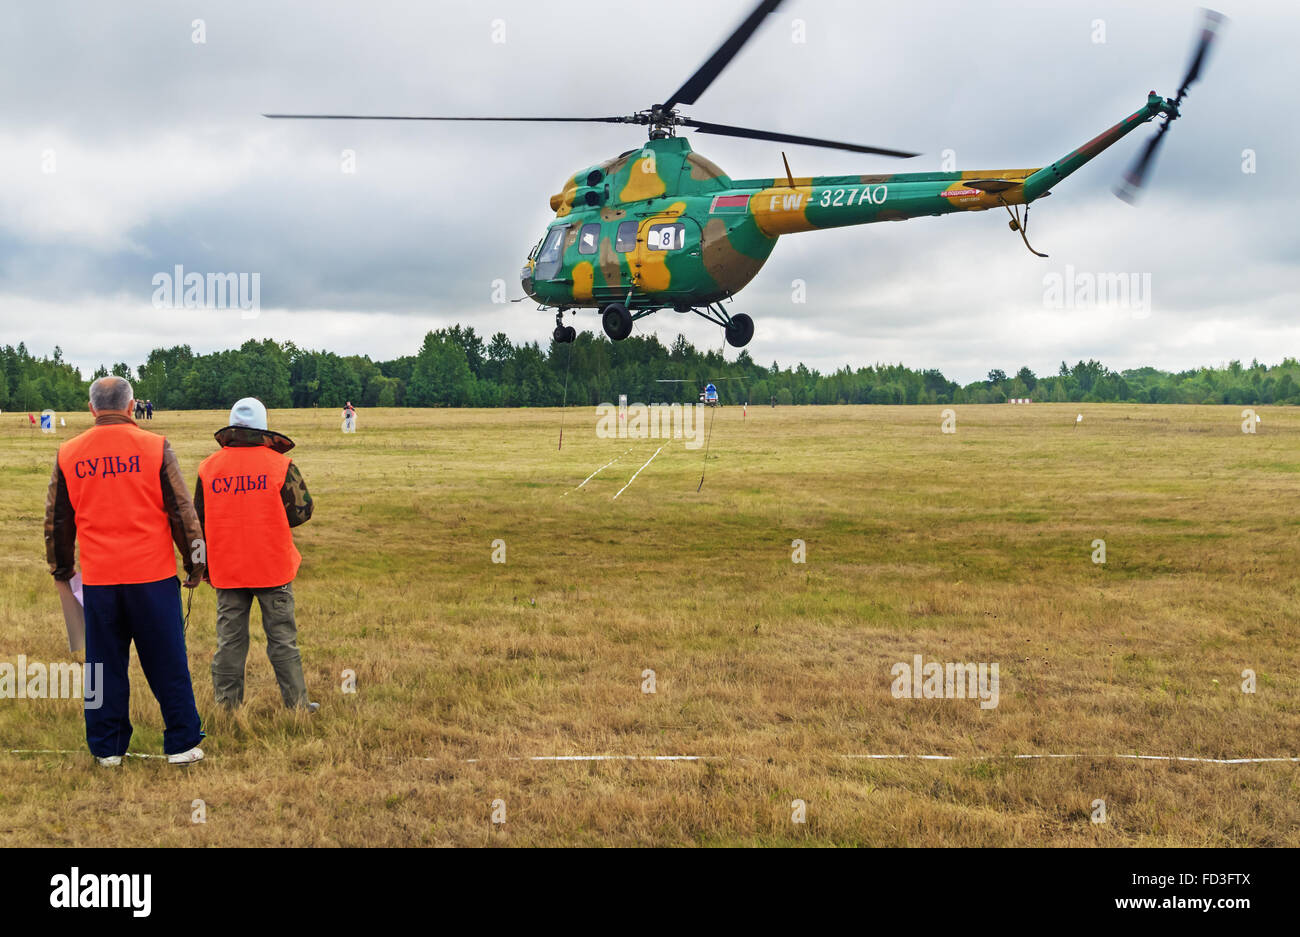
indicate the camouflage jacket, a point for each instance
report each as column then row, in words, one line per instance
column 297, row 501
column 61, row 520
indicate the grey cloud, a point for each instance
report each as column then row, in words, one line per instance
column 436, row 213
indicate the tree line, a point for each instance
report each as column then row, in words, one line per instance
column 456, row 367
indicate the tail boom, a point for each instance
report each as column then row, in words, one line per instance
column 1042, row 181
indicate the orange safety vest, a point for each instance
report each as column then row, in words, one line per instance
column 113, row 476
column 247, row 532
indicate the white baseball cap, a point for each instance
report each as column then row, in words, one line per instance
column 248, row 412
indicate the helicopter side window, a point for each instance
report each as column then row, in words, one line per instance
column 548, row 258
column 666, row 237
column 625, row 239
column 588, row 239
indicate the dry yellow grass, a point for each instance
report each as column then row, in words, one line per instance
column 967, row 547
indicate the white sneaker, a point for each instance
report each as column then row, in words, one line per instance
column 112, row 761
column 186, row 758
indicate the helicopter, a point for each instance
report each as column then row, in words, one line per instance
column 708, row 393
column 662, row 227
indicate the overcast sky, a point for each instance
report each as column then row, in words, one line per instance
column 127, row 148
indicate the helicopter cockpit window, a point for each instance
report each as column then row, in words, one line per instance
column 548, row 258
column 666, row 237
column 588, row 238
column 625, row 240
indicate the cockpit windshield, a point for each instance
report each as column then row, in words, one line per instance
column 548, row 258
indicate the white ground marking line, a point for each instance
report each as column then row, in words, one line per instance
column 68, row 751
column 636, row 473
column 1186, row 758
column 471, row 761
column 597, row 472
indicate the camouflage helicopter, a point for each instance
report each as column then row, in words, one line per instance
column 662, row 227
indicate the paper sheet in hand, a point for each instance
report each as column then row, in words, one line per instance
column 71, row 596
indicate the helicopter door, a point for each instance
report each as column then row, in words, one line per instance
column 667, row 256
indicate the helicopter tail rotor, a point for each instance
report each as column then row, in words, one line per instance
column 1135, row 178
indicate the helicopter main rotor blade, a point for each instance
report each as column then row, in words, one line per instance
column 704, row 76
column 749, row 133
column 602, row 120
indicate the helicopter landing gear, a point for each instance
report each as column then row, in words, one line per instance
column 739, row 330
column 563, row 334
column 617, row 321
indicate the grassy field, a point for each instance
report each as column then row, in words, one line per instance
column 973, row 546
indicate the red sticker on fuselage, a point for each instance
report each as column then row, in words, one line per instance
column 725, row 203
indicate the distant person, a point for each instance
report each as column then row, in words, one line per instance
column 139, row 410
column 249, row 494
column 349, row 418
column 118, row 490
column 148, row 409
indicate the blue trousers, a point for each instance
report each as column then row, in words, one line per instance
column 150, row 614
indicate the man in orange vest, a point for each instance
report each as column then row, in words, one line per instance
column 119, row 491
column 248, row 496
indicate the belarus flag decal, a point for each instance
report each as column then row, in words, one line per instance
column 727, row 203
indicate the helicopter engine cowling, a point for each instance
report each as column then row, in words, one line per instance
column 588, row 187
column 591, row 197
column 584, row 196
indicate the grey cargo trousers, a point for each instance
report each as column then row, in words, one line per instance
column 233, row 607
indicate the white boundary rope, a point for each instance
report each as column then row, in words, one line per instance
column 636, row 473
column 68, row 751
column 1184, row 758
column 901, row 757
column 597, row 472
column 474, row 761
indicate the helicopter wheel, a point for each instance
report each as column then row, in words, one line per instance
column 617, row 321
column 739, row 330
column 570, row 334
